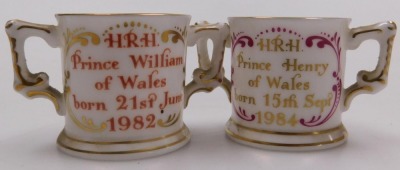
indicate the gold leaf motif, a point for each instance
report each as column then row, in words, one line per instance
column 175, row 38
column 86, row 124
column 82, row 38
column 172, row 119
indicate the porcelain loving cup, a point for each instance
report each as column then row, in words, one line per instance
column 287, row 79
column 124, row 79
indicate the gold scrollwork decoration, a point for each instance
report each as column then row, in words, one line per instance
column 172, row 119
column 175, row 38
column 73, row 37
column 86, row 123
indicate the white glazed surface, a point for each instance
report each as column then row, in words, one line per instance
column 288, row 75
column 120, row 72
column 124, row 79
column 81, row 83
column 318, row 85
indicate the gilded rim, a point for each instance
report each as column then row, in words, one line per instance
column 289, row 18
column 119, row 14
column 288, row 133
column 235, row 136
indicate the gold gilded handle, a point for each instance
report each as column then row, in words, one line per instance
column 210, row 73
column 28, row 84
column 371, row 81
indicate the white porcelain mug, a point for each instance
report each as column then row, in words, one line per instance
column 124, row 79
column 287, row 79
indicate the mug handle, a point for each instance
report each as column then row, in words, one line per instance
column 210, row 73
column 28, row 84
column 371, row 81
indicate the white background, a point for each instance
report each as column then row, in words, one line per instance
column 29, row 128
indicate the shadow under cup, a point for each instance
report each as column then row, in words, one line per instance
column 287, row 79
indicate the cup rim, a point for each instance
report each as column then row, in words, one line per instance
column 288, row 18
column 121, row 14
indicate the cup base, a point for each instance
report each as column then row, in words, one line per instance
column 283, row 141
column 126, row 150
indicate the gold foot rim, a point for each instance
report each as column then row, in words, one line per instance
column 235, row 136
column 181, row 137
